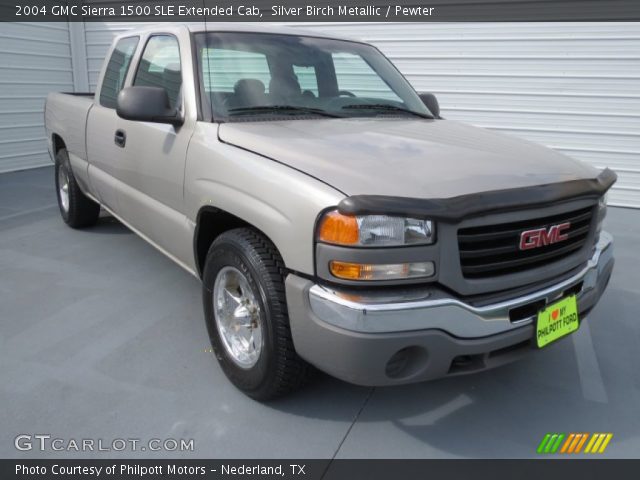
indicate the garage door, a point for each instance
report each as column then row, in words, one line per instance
column 34, row 60
column 572, row 86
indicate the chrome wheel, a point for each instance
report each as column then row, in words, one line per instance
column 237, row 316
column 63, row 188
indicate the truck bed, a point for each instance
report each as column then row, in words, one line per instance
column 66, row 115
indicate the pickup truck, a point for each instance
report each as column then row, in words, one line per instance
column 336, row 221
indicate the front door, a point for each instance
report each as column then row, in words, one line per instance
column 154, row 155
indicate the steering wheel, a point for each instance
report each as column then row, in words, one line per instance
column 345, row 93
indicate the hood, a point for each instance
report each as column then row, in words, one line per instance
column 405, row 157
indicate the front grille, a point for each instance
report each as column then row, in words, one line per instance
column 494, row 250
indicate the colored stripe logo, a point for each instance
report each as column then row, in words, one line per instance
column 574, row 443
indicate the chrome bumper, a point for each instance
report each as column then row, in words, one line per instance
column 433, row 310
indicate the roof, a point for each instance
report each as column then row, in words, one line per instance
column 237, row 27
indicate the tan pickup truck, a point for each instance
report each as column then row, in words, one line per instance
column 334, row 218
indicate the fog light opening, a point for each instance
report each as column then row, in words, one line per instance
column 406, row 362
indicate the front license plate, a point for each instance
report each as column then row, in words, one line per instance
column 557, row 320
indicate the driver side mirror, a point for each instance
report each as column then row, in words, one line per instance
column 431, row 102
column 147, row 104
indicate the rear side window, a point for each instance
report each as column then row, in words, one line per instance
column 225, row 68
column 160, row 66
column 117, row 71
column 307, row 78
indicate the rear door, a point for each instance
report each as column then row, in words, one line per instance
column 105, row 156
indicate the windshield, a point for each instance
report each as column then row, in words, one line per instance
column 258, row 76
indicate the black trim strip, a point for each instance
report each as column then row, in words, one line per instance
column 457, row 208
column 196, row 76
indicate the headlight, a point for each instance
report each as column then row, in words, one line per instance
column 374, row 230
column 602, row 212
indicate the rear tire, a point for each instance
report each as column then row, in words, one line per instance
column 244, row 273
column 77, row 210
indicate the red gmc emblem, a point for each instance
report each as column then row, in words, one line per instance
column 541, row 237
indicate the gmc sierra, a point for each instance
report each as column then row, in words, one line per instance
column 334, row 218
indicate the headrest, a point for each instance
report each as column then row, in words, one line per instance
column 248, row 87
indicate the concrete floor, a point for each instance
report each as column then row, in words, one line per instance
column 102, row 337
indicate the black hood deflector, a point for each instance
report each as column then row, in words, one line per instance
column 458, row 208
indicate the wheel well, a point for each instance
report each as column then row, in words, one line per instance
column 58, row 143
column 211, row 223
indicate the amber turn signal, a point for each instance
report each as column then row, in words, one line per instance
column 393, row 271
column 338, row 229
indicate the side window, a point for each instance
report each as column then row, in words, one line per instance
column 307, row 78
column 356, row 76
column 160, row 66
column 224, row 68
column 117, row 71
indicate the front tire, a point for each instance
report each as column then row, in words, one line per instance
column 246, row 315
column 76, row 209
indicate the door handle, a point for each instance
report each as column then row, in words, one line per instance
column 120, row 138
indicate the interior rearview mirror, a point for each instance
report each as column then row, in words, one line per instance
column 147, row 104
column 431, row 102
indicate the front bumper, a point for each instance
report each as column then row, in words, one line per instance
column 375, row 341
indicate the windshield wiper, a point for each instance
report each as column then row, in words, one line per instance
column 385, row 107
column 282, row 108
